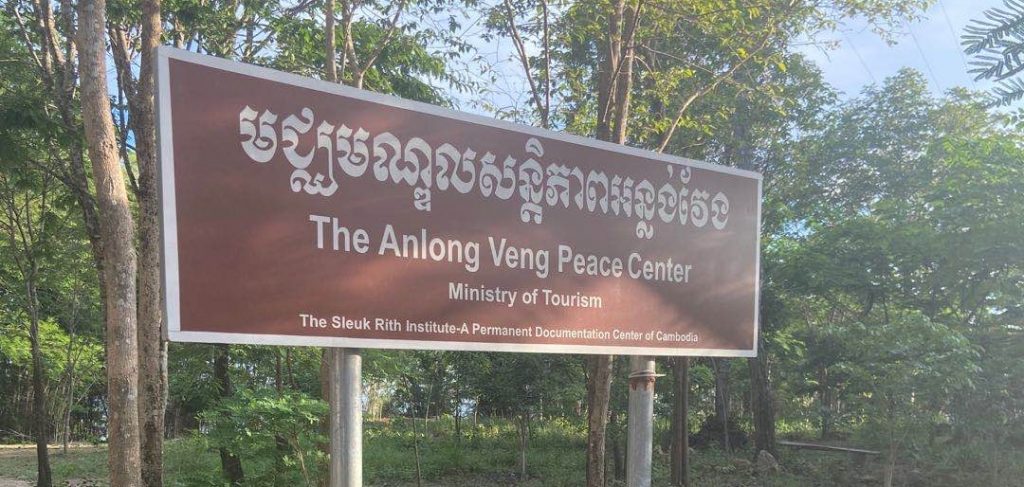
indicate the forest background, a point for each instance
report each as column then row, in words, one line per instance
column 892, row 306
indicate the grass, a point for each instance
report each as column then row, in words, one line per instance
column 487, row 454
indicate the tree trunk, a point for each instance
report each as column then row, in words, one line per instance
column 624, row 85
column 599, row 383
column 457, row 414
column 890, row 461
column 607, row 74
column 330, row 74
column 524, row 442
column 118, row 235
column 617, row 440
column 416, row 452
column 278, row 379
column 763, row 402
column 740, row 153
column 680, row 466
column 69, row 399
column 330, row 66
column 152, row 348
column 721, row 367
column 825, row 397
column 90, row 215
column 613, row 106
column 230, row 464
column 40, row 420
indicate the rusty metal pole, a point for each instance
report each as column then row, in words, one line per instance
column 641, row 421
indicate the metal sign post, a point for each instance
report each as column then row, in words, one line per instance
column 352, row 414
column 336, row 459
column 346, row 448
column 641, row 421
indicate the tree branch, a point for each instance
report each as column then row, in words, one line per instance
column 524, row 60
column 708, row 89
column 392, row 27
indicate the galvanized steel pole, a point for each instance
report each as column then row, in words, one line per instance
column 336, row 461
column 352, row 401
column 346, row 428
column 641, row 421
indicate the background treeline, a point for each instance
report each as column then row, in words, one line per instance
column 892, row 305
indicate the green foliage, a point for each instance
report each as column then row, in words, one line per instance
column 892, row 266
column 907, row 368
column 898, row 261
column 56, row 345
column 488, row 450
column 277, row 437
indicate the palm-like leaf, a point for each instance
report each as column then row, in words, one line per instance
column 996, row 43
column 998, row 24
column 1008, row 92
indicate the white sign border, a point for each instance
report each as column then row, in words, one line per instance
column 169, row 221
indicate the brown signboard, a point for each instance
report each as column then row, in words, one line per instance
column 301, row 212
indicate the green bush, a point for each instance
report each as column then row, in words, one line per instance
column 276, row 436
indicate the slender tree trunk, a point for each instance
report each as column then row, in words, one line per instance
column 416, row 452
column 69, row 397
column 763, row 403
column 278, row 379
column 331, row 74
column 288, row 368
column 617, row 440
column 39, row 415
column 118, row 235
column 825, row 397
column 607, row 73
column 740, row 153
column 680, row 467
column 524, row 442
column 330, row 67
column 90, row 214
column 152, row 348
column 457, row 414
column 599, row 383
column 890, row 461
column 624, row 84
column 613, row 105
column 721, row 368
column 230, row 464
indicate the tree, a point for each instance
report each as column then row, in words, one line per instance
column 26, row 221
column 911, row 366
column 900, row 223
column 152, row 348
column 521, row 385
column 49, row 41
column 118, row 234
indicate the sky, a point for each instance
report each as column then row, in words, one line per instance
column 930, row 45
column 856, row 56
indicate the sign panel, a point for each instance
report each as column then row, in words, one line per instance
column 301, row 212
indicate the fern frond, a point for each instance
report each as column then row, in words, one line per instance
column 999, row 63
column 1007, row 93
column 998, row 24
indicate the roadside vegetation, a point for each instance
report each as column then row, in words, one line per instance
column 892, row 279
